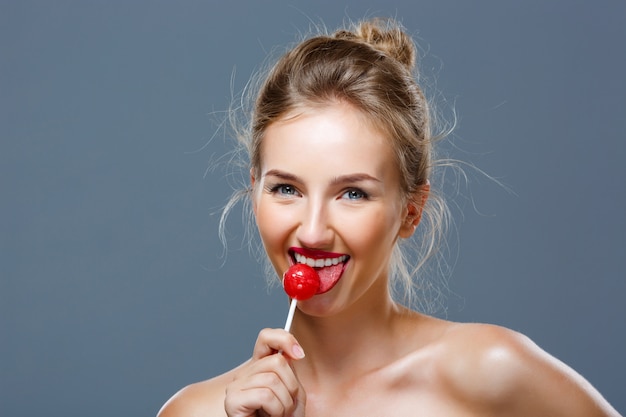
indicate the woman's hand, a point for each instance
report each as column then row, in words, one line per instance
column 266, row 385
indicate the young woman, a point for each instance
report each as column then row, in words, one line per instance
column 341, row 156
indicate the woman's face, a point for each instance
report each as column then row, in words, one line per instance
column 329, row 195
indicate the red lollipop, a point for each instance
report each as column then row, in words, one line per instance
column 301, row 282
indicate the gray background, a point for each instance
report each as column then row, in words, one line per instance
column 113, row 294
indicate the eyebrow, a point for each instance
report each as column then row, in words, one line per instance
column 282, row 175
column 352, row 178
column 343, row 179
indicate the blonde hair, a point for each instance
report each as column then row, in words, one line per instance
column 371, row 66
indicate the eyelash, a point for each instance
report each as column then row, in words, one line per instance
column 362, row 194
column 280, row 188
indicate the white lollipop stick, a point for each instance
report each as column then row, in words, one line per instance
column 292, row 311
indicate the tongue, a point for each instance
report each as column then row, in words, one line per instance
column 329, row 275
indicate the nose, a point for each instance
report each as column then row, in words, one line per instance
column 314, row 230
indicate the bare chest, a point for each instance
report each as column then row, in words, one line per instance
column 378, row 397
column 386, row 406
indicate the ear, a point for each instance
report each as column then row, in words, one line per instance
column 413, row 211
column 253, row 193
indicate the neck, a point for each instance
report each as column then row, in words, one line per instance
column 354, row 342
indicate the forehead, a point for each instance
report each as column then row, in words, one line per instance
column 335, row 138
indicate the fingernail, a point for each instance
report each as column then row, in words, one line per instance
column 297, row 352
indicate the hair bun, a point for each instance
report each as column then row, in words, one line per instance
column 385, row 35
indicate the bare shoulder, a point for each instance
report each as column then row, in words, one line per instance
column 204, row 398
column 507, row 372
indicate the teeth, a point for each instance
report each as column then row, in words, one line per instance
column 319, row 263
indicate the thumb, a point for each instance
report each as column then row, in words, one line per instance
column 271, row 341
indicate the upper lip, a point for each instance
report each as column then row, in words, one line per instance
column 314, row 253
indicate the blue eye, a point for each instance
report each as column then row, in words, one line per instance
column 283, row 189
column 286, row 189
column 355, row 194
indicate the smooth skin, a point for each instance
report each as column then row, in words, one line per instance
column 328, row 182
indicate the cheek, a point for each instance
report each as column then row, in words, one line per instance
column 273, row 226
column 373, row 230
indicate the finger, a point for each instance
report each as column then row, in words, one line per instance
column 248, row 402
column 273, row 372
column 277, row 364
column 271, row 341
column 276, row 398
column 300, row 403
column 259, row 391
column 299, row 399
